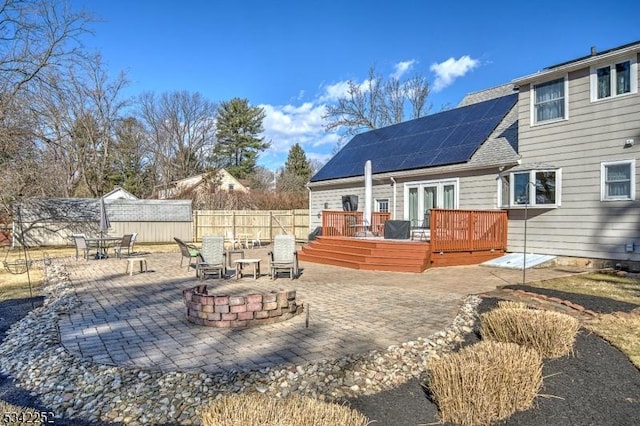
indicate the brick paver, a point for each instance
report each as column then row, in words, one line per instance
column 139, row 320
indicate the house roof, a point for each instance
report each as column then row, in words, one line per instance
column 445, row 138
column 582, row 62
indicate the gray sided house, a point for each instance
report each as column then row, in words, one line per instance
column 579, row 141
column 51, row 221
column 451, row 160
column 557, row 149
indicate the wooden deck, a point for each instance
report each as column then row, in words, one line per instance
column 457, row 237
column 373, row 254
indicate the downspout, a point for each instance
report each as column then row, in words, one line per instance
column 393, row 215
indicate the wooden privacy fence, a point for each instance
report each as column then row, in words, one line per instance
column 347, row 223
column 468, row 230
column 252, row 223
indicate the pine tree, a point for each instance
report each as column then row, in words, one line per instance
column 237, row 147
column 296, row 172
column 297, row 163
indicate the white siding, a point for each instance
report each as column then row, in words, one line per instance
column 583, row 226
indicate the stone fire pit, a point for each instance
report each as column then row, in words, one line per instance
column 239, row 311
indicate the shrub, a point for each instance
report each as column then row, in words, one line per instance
column 258, row 409
column 552, row 334
column 484, row 382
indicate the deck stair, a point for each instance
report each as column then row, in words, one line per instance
column 374, row 254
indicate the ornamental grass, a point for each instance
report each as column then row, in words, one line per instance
column 484, row 382
column 552, row 334
column 259, row 409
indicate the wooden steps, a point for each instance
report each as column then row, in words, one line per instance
column 369, row 254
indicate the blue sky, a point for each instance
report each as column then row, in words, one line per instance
column 293, row 57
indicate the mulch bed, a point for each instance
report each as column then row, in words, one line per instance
column 601, row 305
column 597, row 385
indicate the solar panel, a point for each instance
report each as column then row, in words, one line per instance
column 448, row 137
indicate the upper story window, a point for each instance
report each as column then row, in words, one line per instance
column 540, row 188
column 617, row 180
column 549, row 101
column 231, row 187
column 614, row 80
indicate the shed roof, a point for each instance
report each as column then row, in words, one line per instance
column 445, row 138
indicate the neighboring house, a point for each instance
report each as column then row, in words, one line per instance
column 450, row 160
column 558, row 149
column 579, row 139
column 224, row 180
column 119, row 194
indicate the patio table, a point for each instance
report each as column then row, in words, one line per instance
column 102, row 245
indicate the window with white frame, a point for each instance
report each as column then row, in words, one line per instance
column 420, row 197
column 382, row 205
column 614, row 80
column 530, row 188
column 549, row 101
column 618, row 180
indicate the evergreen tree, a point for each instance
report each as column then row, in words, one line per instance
column 297, row 163
column 296, row 172
column 238, row 146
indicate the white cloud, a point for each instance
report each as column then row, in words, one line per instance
column 448, row 71
column 333, row 92
column 401, row 68
column 285, row 125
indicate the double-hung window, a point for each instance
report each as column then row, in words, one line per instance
column 617, row 180
column 382, row 205
column 614, row 80
column 549, row 101
column 539, row 188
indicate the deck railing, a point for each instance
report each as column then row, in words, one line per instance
column 451, row 230
column 468, row 230
column 338, row 223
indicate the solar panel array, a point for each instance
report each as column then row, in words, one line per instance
column 445, row 138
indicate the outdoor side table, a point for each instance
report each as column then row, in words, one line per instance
column 230, row 253
column 241, row 263
column 132, row 261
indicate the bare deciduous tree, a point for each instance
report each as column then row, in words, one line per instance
column 181, row 127
column 377, row 103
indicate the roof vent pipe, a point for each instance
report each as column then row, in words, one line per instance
column 593, row 51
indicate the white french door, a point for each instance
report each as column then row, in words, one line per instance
column 422, row 196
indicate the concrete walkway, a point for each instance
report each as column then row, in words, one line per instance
column 139, row 321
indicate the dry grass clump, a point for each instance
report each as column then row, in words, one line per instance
column 258, row 409
column 552, row 334
column 510, row 304
column 485, row 382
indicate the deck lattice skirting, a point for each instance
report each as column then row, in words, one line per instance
column 239, row 311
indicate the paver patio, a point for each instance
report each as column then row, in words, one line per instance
column 139, row 321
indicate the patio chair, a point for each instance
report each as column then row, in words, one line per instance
column 231, row 239
column 124, row 244
column 187, row 250
column 420, row 229
column 284, row 256
column 80, row 242
column 213, row 257
column 256, row 241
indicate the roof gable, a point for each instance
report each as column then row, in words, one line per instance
column 445, row 138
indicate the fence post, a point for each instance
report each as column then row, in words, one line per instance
column 270, row 225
